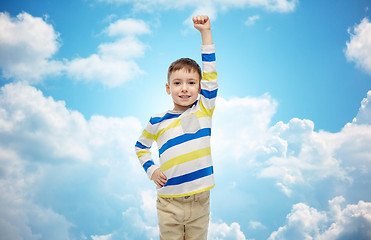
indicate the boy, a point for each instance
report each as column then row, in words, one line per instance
column 185, row 174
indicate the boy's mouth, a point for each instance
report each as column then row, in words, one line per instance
column 185, row 96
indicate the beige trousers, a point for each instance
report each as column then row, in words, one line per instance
column 184, row 217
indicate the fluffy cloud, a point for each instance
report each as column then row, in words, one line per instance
column 114, row 63
column 283, row 152
column 244, row 136
column 219, row 231
column 54, row 161
column 127, row 27
column 256, row 225
column 350, row 222
column 364, row 112
column 359, row 47
column 297, row 158
column 28, row 120
column 291, row 153
column 138, row 222
column 97, row 68
column 23, row 219
column 27, row 45
column 210, row 6
column 298, row 155
column 102, row 237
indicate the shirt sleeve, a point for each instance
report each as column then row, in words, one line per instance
column 142, row 149
column 209, row 82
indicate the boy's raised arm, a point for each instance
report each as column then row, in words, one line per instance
column 202, row 24
column 209, row 82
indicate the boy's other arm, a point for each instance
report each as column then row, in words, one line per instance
column 159, row 178
column 202, row 24
column 142, row 149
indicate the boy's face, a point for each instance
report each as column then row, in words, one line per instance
column 184, row 88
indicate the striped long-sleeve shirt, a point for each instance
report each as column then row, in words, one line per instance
column 183, row 139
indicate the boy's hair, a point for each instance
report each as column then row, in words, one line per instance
column 187, row 64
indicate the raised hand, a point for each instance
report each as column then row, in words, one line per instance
column 201, row 22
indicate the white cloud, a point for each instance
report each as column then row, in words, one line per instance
column 27, row 45
column 256, row 225
column 297, row 158
column 29, row 120
column 54, row 161
column 304, row 156
column 352, row 148
column 303, row 223
column 221, row 5
column 223, row 231
column 244, row 136
column 125, row 48
column 23, row 219
column 101, row 237
column 350, row 222
column 139, row 222
column 114, row 63
column 127, row 27
column 298, row 155
column 359, row 47
column 148, row 206
column 292, row 154
column 20, row 217
column 107, row 71
column 252, row 20
column 136, row 227
column 364, row 112
column 203, row 8
column 281, row 5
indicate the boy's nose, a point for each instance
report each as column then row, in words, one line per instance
column 184, row 87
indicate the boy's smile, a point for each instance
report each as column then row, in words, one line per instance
column 184, row 88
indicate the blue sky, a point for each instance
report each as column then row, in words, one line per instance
column 291, row 134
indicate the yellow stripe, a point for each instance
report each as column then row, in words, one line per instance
column 209, row 76
column 187, row 194
column 141, row 153
column 185, row 158
column 148, row 135
column 205, row 112
column 201, row 114
column 175, row 123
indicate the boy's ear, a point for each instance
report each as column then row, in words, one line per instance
column 167, row 88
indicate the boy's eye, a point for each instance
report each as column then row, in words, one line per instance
column 176, row 83
column 192, row 83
